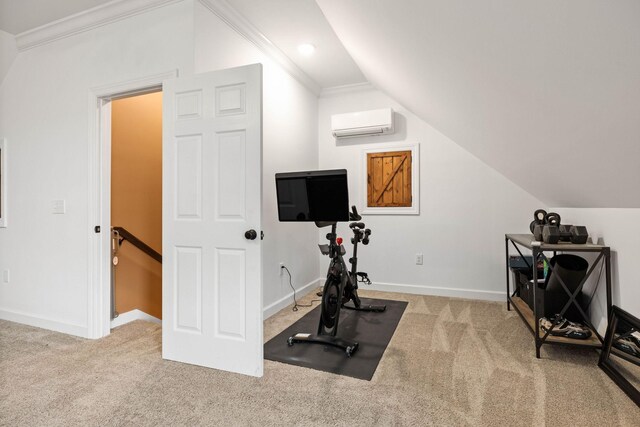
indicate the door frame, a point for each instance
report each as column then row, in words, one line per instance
column 99, row 194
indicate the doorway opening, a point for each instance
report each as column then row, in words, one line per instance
column 136, row 208
column 100, row 244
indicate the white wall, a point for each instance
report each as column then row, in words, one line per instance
column 465, row 209
column 44, row 115
column 290, row 143
column 8, row 52
column 619, row 229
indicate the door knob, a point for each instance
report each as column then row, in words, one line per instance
column 250, row 234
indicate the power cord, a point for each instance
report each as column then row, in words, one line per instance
column 295, row 302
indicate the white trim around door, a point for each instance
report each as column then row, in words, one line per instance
column 99, row 194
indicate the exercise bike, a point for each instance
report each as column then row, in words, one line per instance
column 340, row 288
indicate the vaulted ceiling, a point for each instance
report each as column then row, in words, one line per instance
column 289, row 23
column 546, row 92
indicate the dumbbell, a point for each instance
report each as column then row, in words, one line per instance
column 540, row 219
column 576, row 234
column 367, row 233
column 554, row 232
column 360, row 233
column 546, row 227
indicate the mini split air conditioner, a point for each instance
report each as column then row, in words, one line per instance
column 362, row 123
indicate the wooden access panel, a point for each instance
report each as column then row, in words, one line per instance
column 389, row 179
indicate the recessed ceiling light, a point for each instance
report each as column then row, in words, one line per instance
column 306, row 49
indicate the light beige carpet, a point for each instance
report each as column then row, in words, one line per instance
column 451, row 362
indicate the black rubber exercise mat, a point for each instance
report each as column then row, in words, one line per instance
column 371, row 330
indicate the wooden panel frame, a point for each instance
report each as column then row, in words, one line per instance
column 414, row 209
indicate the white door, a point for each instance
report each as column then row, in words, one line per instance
column 212, row 193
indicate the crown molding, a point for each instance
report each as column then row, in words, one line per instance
column 246, row 29
column 346, row 89
column 117, row 10
column 86, row 20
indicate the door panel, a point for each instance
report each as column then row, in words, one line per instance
column 212, row 289
column 188, row 176
column 188, row 274
column 231, row 175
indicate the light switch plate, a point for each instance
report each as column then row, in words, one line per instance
column 59, row 207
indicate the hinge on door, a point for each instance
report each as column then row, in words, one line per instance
column 96, row 228
column 261, row 235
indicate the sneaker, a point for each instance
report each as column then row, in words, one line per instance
column 629, row 343
column 565, row 328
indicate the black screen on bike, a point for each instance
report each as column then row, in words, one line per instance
column 313, row 196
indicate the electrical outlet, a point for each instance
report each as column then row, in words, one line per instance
column 281, row 268
column 419, row 259
column 5, row 276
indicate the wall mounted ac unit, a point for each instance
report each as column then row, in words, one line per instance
column 362, row 123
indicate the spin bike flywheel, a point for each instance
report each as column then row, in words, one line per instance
column 330, row 304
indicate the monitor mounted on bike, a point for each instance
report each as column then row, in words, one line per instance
column 313, row 196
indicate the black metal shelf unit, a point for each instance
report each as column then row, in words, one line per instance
column 532, row 317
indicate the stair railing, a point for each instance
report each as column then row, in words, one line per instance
column 118, row 236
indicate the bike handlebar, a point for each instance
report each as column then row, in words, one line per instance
column 353, row 215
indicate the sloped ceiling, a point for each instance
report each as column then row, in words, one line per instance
column 547, row 92
column 288, row 23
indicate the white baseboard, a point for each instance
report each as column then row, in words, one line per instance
column 268, row 311
column 44, row 323
column 275, row 307
column 132, row 315
column 439, row 291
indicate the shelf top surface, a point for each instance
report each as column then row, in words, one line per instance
column 527, row 240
